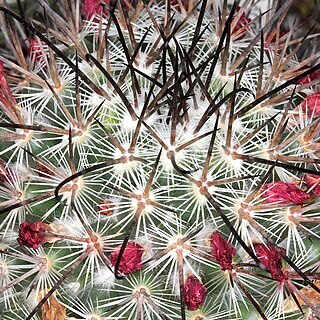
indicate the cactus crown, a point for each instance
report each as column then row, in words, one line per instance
column 159, row 160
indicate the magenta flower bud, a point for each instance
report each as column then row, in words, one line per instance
column 284, row 192
column 243, row 24
column 311, row 105
column 195, row 293
column 6, row 96
column 271, row 259
column 32, row 234
column 131, row 258
column 35, row 49
column 92, row 7
column 309, row 78
column 222, row 251
column 313, row 181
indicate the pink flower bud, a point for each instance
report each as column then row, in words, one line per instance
column 241, row 26
column 284, row 192
column 195, row 293
column 31, row 234
column 313, row 181
column 106, row 208
column 6, row 96
column 35, row 50
column 271, row 39
column 131, row 258
column 311, row 105
column 92, row 7
column 271, row 259
column 222, row 251
column 309, row 78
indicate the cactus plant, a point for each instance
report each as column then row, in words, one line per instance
column 159, row 160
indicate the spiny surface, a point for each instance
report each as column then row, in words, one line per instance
column 158, row 161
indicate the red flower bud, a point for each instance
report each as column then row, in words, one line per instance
column 271, row 38
column 92, row 7
column 222, row 250
column 195, row 293
column 241, row 26
column 106, row 208
column 6, row 96
column 313, row 181
column 309, row 78
column 35, row 49
column 311, row 105
column 31, row 234
column 283, row 192
column 131, row 258
column 271, row 259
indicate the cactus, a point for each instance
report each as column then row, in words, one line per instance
column 159, row 160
